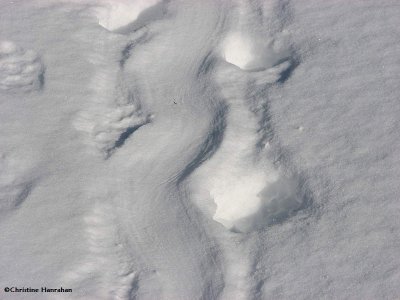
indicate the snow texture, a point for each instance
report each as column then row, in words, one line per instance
column 114, row 110
column 115, row 15
column 17, row 179
column 183, row 149
column 19, row 69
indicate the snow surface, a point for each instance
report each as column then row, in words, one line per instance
column 200, row 149
column 19, row 69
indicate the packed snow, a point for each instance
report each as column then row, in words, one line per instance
column 180, row 149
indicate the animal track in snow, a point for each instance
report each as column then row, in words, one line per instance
column 121, row 15
column 253, row 53
column 249, row 188
column 108, row 124
column 16, row 182
column 246, row 183
column 20, row 69
column 114, row 111
column 108, row 264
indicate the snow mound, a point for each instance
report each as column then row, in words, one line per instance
column 253, row 53
column 114, row 15
column 19, row 69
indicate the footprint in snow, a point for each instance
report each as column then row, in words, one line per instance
column 20, row 69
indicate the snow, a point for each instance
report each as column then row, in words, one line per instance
column 249, row 191
column 200, row 149
column 17, row 179
column 113, row 112
column 19, row 69
column 252, row 52
column 114, row 15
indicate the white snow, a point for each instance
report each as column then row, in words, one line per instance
column 252, row 52
column 249, row 191
column 17, row 179
column 113, row 110
column 179, row 149
column 19, row 69
column 113, row 15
